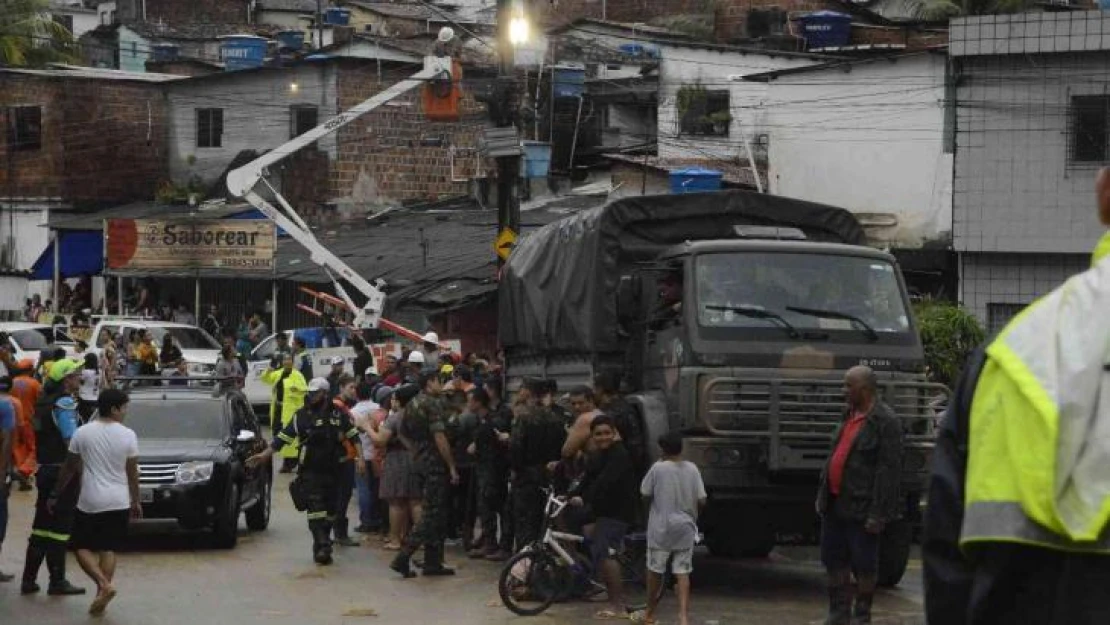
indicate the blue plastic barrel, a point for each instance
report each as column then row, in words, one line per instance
column 537, row 159
column 826, row 29
column 291, row 39
column 242, row 52
column 695, row 180
column 569, row 82
column 337, row 16
column 162, row 52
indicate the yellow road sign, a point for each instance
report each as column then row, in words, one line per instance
column 505, row 242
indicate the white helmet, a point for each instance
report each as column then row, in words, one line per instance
column 431, row 337
column 318, row 384
column 416, row 357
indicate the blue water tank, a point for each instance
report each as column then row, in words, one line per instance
column 291, row 39
column 162, row 52
column 695, row 180
column 337, row 16
column 568, row 82
column 537, row 159
column 826, row 29
column 242, row 52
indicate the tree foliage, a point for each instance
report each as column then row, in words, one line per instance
column 29, row 36
column 949, row 334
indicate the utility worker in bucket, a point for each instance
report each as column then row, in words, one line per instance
column 326, row 438
column 289, row 387
column 1017, row 528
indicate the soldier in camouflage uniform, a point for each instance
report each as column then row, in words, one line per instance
column 492, row 474
column 537, row 439
column 424, row 425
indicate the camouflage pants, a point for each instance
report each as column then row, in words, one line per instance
column 432, row 528
column 528, row 506
column 493, row 505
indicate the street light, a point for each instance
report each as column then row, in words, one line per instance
column 518, row 30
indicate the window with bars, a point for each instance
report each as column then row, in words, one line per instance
column 998, row 315
column 210, row 128
column 302, row 118
column 24, row 128
column 1090, row 124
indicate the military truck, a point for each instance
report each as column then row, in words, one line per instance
column 732, row 318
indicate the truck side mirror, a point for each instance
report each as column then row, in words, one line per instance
column 628, row 299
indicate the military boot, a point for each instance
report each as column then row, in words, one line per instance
column 56, row 564
column 861, row 615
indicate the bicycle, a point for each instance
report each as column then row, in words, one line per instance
column 555, row 568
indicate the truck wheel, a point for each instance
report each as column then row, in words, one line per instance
column 258, row 515
column 225, row 532
column 722, row 546
column 760, row 549
column 894, row 552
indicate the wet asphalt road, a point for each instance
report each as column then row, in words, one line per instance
column 171, row 578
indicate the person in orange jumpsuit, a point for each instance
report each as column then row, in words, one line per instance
column 26, row 391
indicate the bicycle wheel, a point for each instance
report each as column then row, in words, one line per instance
column 531, row 581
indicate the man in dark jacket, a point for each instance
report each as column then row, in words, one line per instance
column 858, row 496
column 609, row 489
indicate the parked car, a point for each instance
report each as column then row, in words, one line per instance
column 192, row 460
column 198, row 347
column 27, row 340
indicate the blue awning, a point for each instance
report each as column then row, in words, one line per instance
column 81, row 253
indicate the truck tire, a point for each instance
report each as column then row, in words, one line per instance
column 894, row 553
column 723, row 545
column 225, row 532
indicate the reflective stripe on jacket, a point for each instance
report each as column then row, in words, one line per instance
column 1038, row 450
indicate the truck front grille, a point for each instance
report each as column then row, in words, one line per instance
column 152, row 474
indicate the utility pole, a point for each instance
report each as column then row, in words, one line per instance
column 319, row 24
column 503, row 110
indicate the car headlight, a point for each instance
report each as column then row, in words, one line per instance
column 194, row 472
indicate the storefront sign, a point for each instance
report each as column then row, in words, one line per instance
column 233, row 244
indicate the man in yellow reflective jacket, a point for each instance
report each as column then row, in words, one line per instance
column 286, row 398
column 1017, row 528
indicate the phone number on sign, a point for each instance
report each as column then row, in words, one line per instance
column 247, row 263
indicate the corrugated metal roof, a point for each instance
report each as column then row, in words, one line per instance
column 294, row 6
column 75, row 71
column 142, row 210
column 411, row 11
column 198, row 31
column 733, row 171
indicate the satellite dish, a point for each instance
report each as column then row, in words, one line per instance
column 446, row 34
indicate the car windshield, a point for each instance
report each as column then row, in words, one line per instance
column 176, row 418
column 185, row 338
column 36, row 339
column 810, row 292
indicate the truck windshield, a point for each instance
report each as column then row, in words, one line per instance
column 811, row 292
column 185, row 338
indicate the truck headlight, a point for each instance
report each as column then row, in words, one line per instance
column 194, row 472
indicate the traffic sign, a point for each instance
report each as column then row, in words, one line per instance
column 505, row 242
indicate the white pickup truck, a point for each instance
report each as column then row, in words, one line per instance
column 26, row 340
column 199, row 349
column 258, row 393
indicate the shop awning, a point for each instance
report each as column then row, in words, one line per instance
column 81, row 253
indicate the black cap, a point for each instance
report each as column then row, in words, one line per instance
column 406, row 392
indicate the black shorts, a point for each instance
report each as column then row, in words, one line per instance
column 845, row 545
column 103, row 531
column 607, row 539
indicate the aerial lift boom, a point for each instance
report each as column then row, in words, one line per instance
column 244, row 182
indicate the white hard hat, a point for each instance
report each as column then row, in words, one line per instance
column 431, row 337
column 371, row 370
column 416, row 357
column 318, row 384
column 338, row 360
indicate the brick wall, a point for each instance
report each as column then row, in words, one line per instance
column 390, row 154
column 184, row 11
column 95, row 146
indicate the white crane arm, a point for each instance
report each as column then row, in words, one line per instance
column 242, row 182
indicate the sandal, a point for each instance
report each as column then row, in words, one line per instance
column 391, row 547
column 640, row 616
column 610, row 615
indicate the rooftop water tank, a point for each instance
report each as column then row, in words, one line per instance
column 242, row 52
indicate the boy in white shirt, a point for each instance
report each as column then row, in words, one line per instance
column 106, row 453
column 676, row 493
